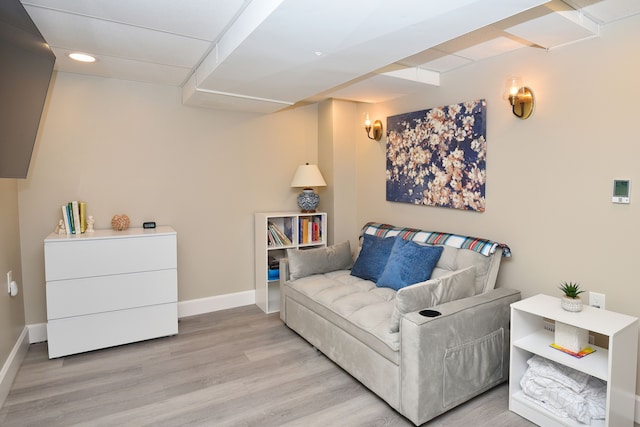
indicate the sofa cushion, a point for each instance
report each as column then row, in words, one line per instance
column 450, row 287
column 409, row 263
column 356, row 306
column 373, row 257
column 303, row 263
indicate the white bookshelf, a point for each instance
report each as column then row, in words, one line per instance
column 616, row 364
column 291, row 224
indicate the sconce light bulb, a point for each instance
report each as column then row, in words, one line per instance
column 513, row 86
column 367, row 122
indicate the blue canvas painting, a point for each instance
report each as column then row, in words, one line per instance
column 437, row 157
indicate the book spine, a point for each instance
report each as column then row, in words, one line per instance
column 319, row 223
column 275, row 236
column 76, row 217
column 71, row 220
column 83, row 217
column 305, row 230
column 65, row 219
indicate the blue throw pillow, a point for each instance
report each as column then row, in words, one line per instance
column 409, row 263
column 373, row 257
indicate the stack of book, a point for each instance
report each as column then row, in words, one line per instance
column 274, row 268
column 74, row 216
column 276, row 237
column 310, row 229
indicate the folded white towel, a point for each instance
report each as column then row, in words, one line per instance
column 564, row 391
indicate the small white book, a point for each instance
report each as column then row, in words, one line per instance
column 65, row 218
column 76, row 216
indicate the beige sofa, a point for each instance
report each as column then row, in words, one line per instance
column 421, row 366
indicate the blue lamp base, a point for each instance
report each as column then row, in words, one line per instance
column 308, row 201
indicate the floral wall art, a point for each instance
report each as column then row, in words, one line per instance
column 437, row 157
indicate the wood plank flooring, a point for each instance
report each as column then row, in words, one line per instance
column 235, row 367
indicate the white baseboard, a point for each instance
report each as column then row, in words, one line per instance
column 219, row 302
column 12, row 364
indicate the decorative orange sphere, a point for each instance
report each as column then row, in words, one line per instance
column 120, row 222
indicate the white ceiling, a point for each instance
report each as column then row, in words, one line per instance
column 265, row 55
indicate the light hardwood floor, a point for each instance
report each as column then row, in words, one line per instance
column 236, row 367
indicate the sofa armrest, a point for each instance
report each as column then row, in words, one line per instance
column 456, row 355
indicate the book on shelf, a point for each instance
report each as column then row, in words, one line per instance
column 276, row 237
column 584, row 352
column 304, row 230
column 76, row 217
column 66, row 219
column 83, row 216
column 274, row 263
column 309, row 229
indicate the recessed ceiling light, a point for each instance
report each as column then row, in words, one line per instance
column 82, row 57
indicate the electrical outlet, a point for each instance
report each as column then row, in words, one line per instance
column 596, row 300
column 9, row 280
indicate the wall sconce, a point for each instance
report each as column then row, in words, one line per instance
column 520, row 97
column 377, row 128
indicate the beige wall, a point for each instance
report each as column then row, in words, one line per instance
column 337, row 138
column 549, row 178
column 126, row 147
column 11, row 308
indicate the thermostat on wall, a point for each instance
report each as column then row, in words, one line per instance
column 621, row 191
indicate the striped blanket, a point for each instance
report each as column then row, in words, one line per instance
column 482, row 246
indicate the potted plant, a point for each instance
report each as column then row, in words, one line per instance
column 571, row 301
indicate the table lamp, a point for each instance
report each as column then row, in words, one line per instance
column 308, row 176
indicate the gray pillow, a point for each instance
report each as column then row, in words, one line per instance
column 450, row 287
column 306, row 262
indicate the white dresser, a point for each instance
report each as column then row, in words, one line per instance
column 109, row 288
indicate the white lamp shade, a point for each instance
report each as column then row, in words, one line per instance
column 307, row 176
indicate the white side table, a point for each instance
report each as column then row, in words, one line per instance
column 616, row 365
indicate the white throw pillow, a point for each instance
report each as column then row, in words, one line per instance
column 450, row 287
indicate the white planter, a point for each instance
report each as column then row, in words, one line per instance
column 571, row 337
column 571, row 304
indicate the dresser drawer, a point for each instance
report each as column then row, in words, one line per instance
column 77, row 297
column 71, row 259
column 85, row 333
